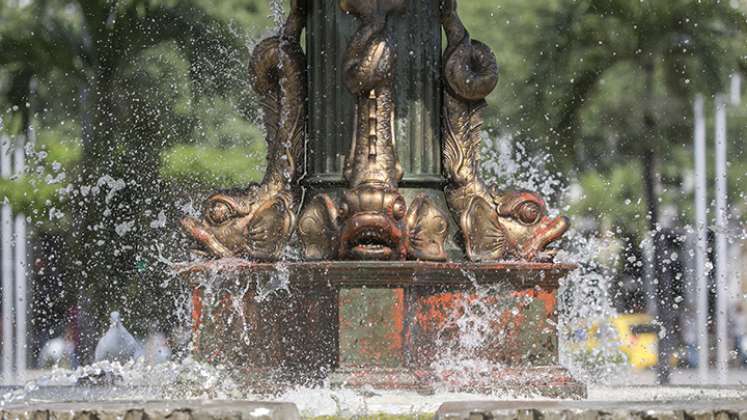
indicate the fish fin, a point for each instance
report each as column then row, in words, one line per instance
column 270, row 229
column 484, row 236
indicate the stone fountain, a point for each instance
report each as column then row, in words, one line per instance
column 374, row 136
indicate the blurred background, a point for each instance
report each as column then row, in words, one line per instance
column 118, row 116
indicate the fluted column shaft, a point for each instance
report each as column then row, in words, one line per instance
column 417, row 36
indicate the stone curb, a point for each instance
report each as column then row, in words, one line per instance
column 166, row 410
column 695, row 410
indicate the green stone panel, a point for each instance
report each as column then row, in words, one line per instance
column 372, row 328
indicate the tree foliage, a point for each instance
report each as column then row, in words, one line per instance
column 117, row 92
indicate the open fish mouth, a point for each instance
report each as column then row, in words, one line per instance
column 205, row 242
column 371, row 236
column 372, row 243
column 551, row 231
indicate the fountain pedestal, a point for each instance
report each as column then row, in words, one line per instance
column 405, row 325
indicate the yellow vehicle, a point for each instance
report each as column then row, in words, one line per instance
column 636, row 334
column 639, row 339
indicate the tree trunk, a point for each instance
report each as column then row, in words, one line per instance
column 650, row 184
column 91, row 271
column 124, row 147
column 663, row 296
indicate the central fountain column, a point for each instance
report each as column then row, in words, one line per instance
column 372, row 320
column 416, row 35
column 391, row 332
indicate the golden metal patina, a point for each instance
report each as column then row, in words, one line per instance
column 372, row 221
column 495, row 225
column 427, row 228
column 257, row 222
column 318, row 229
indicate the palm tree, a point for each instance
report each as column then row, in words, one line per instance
column 674, row 48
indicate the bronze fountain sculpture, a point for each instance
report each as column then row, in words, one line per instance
column 367, row 244
column 258, row 221
column 372, row 222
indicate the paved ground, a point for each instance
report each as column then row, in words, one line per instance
column 639, row 402
column 316, row 402
column 520, row 410
column 154, row 410
column 683, row 377
column 670, row 402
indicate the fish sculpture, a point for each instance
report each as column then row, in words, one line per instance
column 371, row 219
column 257, row 222
column 495, row 225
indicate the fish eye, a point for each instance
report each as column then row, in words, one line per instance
column 399, row 208
column 528, row 212
column 342, row 211
column 219, row 212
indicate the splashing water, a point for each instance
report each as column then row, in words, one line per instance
column 508, row 164
column 277, row 12
column 585, row 308
column 584, row 305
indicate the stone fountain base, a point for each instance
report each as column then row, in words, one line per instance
column 416, row 326
column 653, row 403
column 151, row 410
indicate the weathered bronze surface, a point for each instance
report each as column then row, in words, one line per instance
column 272, row 337
column 427, row 227
column 257, row 222
column 372, row 222
column 495, row 225
column 400, row 274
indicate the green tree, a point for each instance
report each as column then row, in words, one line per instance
column 659, row 53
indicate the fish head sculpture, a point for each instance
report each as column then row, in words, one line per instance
column 251, row 223
column 513, row 225
column 373, row 226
